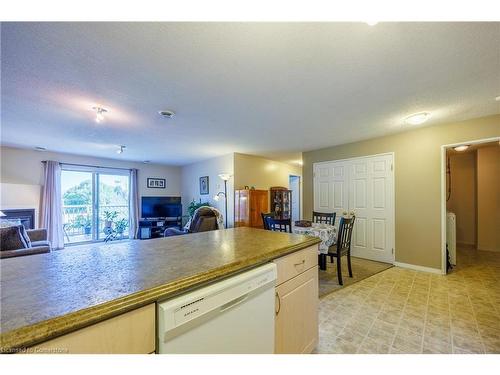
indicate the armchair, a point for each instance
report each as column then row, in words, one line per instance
column 204, row 219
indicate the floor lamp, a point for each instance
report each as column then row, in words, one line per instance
column 225, row 177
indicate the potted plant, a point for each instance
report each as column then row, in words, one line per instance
column 84, row 222
column 120, row 227
column 109, row 216
column 87, row 225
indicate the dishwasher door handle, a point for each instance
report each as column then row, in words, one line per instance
column 233, row 303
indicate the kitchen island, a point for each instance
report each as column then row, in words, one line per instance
column 49, row 295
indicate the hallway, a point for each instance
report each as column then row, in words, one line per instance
column 404, row 311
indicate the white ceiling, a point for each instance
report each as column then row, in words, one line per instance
column 272, row 89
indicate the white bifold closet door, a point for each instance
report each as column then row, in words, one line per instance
column 365, row 186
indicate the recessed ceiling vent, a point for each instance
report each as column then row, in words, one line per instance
column 167, row 113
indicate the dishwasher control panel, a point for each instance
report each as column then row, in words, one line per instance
column 218, row 296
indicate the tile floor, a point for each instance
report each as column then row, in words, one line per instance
column 405, row 311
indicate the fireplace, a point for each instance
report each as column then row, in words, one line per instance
column 26, row 216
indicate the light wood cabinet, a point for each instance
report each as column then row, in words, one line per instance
column 129, row 333
column 296, row 324
column 248, row 206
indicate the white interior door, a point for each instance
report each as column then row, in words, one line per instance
column 331, row 188
column 365, row 186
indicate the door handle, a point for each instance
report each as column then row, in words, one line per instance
column 279, row 304
column 300, row 263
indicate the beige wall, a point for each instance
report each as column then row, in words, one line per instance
column 212, row 168
column 463, row 195
column 417, row 181
column 488, row 188
column 263, row 173
column 21, row 175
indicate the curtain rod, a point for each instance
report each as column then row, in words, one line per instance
column 92, row 166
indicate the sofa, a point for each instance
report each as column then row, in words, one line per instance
column 16, row 241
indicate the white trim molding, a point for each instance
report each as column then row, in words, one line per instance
column 436, row 271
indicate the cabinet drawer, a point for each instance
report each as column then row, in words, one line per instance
column 294, row 264
column 129, row 333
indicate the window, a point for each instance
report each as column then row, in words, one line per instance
column 95, row 203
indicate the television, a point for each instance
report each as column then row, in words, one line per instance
column 160, row 207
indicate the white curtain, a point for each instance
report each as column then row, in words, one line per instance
column 51, row 215
column 134, row 205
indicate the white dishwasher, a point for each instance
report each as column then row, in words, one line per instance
column 235, row 315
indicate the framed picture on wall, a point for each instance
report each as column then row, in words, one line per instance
column 157, row 183
column 204, row 185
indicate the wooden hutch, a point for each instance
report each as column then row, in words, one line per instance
column 281, row 202
column 248, row 206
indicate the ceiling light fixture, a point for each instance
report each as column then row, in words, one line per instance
column 121, row 149
column 371, row 23
column 497, row 98
column 99, row 113
column 418, row 118
column 147, row 161
column 167, row 113
column 461, row 148
column 38, row 148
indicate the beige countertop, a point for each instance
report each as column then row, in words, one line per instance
column 47, row 295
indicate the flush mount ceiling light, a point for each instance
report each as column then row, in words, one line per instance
column 121, row 149
column 167, row 113
column 418, row 118
column 99, row 113
column 461, row 148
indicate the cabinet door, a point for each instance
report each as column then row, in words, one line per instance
column 241, row 208
column 258, row 204
column 133, row 332
column 296, row 326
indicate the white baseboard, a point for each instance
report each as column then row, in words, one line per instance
column 418, row 268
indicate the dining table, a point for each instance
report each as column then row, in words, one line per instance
column 325, row 232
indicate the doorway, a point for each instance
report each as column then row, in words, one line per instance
column 294, row 186
column 471, row 184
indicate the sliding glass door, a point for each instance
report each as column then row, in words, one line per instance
column 95, row 203
column 113, row 205
column 78, row 197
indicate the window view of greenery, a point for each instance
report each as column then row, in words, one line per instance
column 112, row 212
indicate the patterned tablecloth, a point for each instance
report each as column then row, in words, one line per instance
column 327, row 234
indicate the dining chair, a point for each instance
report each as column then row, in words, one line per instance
column 324, row 218
column 264, row 218
column 279, row 225
column 343, row 245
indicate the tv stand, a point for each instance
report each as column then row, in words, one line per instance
column 154, row 227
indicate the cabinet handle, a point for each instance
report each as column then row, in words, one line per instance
column 279, row 303
column 300, row 264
